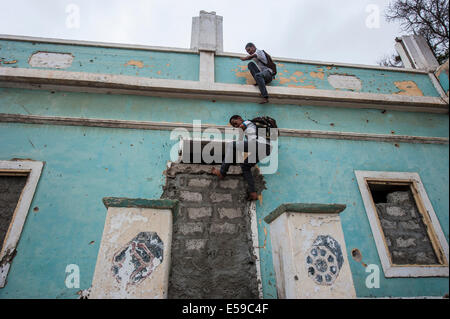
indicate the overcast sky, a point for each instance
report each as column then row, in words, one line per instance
column 350, row 31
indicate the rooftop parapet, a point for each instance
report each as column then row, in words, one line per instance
column 204, row 71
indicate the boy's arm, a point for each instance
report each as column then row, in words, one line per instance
column 249, row 57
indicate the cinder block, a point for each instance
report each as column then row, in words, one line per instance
column 181, row 181
column 230, row 212
column 423, row 258
column 409, row 225
column 221, row 197
column 199, row 182
column 223, row 228
column 229, row 183
column 399, row 254
column 191, row 196
column 190, row 228
column 398, row 198
column 200, row 212
column 388, row 224
column 195, row 244
column 395, row 211
column 405, row 243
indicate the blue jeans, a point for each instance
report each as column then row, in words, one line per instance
column 261, row 78
column 258, row 151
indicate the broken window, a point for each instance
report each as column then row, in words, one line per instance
column 18, row 181
column 11, row 187
column 406, row 230
column 210, row 152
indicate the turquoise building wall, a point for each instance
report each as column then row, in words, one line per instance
column 185, row 66
column 85, row 164
column 106, row 60
column 315, row 76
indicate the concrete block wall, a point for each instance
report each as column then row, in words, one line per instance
column 212, row 249
column 406, row 233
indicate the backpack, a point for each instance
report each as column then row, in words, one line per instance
column 270, row 63
column 267, row 123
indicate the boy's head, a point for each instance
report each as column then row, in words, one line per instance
column 236, row 120
column 250, row 48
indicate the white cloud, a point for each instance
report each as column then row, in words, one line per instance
column 326, row 30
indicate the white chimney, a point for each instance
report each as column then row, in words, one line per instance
column 207, row 32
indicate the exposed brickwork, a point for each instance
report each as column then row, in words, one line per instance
column 191, row 196
column 229, row 183
column 212, row 254
column 199, row 212
column 199, row 182
column 230, row 213
column 405, row 232
column 10, row 189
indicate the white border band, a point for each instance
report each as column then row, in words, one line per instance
column 168, row 126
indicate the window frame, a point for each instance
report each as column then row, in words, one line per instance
column 31, row 169
column 425, row 208
column 183, row 141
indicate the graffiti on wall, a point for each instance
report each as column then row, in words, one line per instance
column 324, row 260
column 138, row 258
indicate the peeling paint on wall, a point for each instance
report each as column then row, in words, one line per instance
column 318, row 75
column 408, row 88
column 139, row 64
column 9, row 62
column 244, row 73
column 284, row 80
column 308, row 75
column 53, row 60
column 130, row 261
column 138, row 259
column 349, row 82
column 105, row 60
column 297, row 77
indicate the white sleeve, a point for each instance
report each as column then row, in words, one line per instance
column 261, row 56
column 250, row 128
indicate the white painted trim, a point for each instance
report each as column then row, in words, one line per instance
column 256, row 247
column 95, row 44
column 125, row 84
column 206, row 72
column 389, row 269
column 438, row 87
column 34, row 169
column 167, row 126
